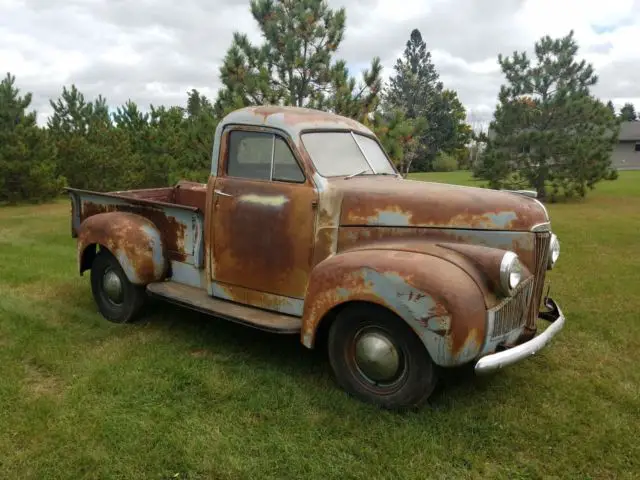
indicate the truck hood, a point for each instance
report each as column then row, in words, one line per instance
column 395, row 202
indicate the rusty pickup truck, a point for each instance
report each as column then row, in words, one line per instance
column 305, row 227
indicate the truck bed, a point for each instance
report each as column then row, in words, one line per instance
column 177, row 212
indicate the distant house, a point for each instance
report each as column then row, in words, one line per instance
column 626, row 153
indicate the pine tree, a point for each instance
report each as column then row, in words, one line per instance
column 628, row 113
column 27, row 156
column 200, row 126
column 295, row 66
column 611, row 107
column 416, row 90
column 548, row 130
column 91, row 152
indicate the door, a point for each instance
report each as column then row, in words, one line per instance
column 264, row 216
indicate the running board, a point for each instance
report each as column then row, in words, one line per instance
column 198, row 299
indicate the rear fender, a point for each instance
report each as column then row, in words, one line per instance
column 133, row 240
column 439, row 300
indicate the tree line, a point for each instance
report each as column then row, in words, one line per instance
column 543, row 132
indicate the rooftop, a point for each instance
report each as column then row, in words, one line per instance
column 292, row 120
column 629, row 132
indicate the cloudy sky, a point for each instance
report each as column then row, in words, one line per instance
column 154, row 51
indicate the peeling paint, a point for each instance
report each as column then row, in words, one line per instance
column 268, row 201
column 132, row 239
column 423, row 290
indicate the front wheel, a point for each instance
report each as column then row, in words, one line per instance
column 377, row 358
column 117, row 298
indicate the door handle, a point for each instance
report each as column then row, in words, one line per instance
column 222, row 193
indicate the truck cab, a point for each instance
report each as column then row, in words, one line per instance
column 305, row 227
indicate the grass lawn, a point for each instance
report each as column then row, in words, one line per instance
column 181, row 395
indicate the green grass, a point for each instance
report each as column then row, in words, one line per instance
column 180, row 395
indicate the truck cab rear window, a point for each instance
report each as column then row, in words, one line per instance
column 262, row 156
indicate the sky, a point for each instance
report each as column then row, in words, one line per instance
column 154, row 52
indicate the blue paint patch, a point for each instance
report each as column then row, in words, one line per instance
column 187, row 274
column 502, row 219
column 421, row 312
column 218, row 291
column 155, row 244
column 496, row 239
column 286, row 305
column 128, row 268
column 469, row 351
column 439, row 325
column 391, row 219
column 412, row 305
column 342, row 293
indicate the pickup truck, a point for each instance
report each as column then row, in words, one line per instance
column 305, row 227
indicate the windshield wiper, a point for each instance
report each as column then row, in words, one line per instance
column 356, row 174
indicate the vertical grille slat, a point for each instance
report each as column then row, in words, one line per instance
column 511, row 313
column 522, row 308
column 541, row 247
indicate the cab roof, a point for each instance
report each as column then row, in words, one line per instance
column 292, row 120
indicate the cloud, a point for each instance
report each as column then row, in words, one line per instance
column 154, row 52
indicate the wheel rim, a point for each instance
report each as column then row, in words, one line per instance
column 377, row 358
column 112, row 287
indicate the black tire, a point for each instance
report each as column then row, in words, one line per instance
column 413, row 381
column 128, row 305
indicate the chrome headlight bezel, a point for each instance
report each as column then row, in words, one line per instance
column 510, row 273
column 554, row 251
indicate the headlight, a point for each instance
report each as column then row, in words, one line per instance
column 510, row 272
column 554, row 251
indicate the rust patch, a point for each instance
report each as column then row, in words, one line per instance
column 297, row 116
column 496, row 242
column 191, row 194
column 263, row 235
column 132, row 239
column 385, row 201
column 163, row 194
column 433, row 286
column 171, row 230
column 327, row 223
column 263, row 300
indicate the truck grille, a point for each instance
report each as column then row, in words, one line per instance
column 541, row 246
column 511, row 313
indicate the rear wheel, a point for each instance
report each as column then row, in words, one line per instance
column 377, row 358
column 117, row 298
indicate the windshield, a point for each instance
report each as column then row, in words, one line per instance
column 341, row 153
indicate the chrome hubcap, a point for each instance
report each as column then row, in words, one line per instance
column 112, row 286
column 376, row 357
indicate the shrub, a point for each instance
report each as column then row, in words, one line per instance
column 445, row 163
column 612, row 174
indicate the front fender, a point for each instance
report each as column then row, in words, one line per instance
column 439, row 300
column 133, row 240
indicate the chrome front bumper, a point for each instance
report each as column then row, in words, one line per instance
column 496, row 361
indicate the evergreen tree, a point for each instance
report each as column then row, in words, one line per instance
column 91, row 152
column 200, row 127
column 628, row 113
column 547, row 128
column 295, row 66
column 27, row 156
column 611, row 107
column 416, row 89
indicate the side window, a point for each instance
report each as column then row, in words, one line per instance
column 285, row 167
column 250, row 155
